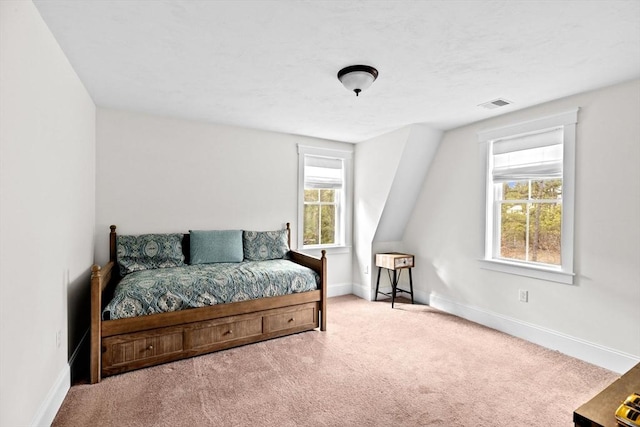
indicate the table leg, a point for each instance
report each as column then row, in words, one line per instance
column 394, row 284
column 411, row 285
column 377, row 284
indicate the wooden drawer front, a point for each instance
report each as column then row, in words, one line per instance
column 214, row 332
column 404, row 262
column 291, row 319
column 122, row 350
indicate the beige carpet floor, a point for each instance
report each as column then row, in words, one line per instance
column 410, row 366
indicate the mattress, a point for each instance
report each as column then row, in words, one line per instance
column 177, row 288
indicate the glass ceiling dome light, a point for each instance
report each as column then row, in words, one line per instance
column 357, row 77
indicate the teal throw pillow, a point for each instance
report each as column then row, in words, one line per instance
column 215, row 246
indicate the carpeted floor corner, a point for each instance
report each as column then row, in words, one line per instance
column 374, row 366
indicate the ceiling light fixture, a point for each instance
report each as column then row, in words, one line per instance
column 357, row 77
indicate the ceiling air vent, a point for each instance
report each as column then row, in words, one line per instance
column 496, row 103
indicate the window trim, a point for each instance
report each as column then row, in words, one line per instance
column 345, row 202
column 563, row 273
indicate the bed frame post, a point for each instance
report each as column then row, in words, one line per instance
column 96, row 326
column 113, row 250
column 100, row 278
column 323, row 302
column 289, row 234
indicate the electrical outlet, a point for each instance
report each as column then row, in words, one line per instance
column 58, row 338
column 524, row 295
column 366, row 269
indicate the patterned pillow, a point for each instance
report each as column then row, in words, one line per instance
column 149, row 251
column 264, row 245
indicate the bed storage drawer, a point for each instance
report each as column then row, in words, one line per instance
column 141, row 347
column 129, row 351
column 305, row 316
column 205, row 334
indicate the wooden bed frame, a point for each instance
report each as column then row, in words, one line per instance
column 126, row 344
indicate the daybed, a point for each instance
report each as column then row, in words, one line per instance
column 128, row 343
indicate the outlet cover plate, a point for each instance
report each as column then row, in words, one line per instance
column 524, row 295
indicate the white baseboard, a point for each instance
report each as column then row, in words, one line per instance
column 368, row 293
column 339, row 289
column 362, row 291
column 49, row 407
column 72, row 359
column 596, row 354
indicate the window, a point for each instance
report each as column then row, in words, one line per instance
column 530, row 187
column 324, row 186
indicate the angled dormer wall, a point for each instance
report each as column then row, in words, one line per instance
column 419, row 149
column 389, row 173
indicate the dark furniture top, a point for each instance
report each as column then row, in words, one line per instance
column 600, row 411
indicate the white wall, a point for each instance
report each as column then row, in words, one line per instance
column 47, row 211
column 389, row 173
column 597, row 318
column 375, row 165
column 159, row 174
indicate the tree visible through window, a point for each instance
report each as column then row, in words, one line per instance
column 320, row 209
column 530, row 220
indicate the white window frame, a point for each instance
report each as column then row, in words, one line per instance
column 344, row 214
column 564, row 273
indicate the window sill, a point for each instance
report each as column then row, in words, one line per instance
column 331, row 250
column 536, row 272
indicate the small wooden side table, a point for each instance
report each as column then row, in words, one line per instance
column 396, row 262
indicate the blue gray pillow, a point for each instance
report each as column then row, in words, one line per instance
column 209, row 246
column 148, row 251
column 265, row 245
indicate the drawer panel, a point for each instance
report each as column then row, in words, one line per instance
column 208, row 333
column 290, row 319
column 136, row 347
column 403, row 262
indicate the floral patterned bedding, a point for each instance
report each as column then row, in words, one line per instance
column 178, row 288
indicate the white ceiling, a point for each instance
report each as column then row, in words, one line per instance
column 272, row 64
